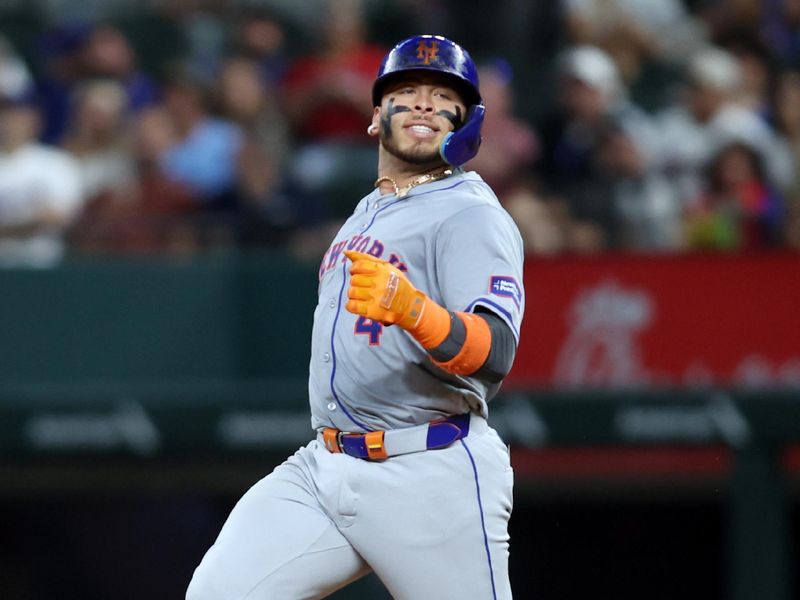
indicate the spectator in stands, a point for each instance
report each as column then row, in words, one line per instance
column 543, row 222
column 327, row 101
column 327, row 93
column 592, row 98
column 593, row 103
column 40, row 188
column 205, row 149
column 739, row 209
column 510, row 146
column 707, row 119
column 108, row 54
column 757, row 71
column 247, row 100
column 77, row 52
column 261, row 36
column 154, row 214
column 99, row 138
column 646, row 207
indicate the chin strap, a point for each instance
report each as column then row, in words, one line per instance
column 461, row 145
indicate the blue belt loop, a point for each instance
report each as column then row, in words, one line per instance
column 445, row 432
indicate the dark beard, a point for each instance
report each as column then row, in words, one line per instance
column 414, row 157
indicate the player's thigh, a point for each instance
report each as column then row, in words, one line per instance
column 276, row 543
column 446, row 535
column 326, row 566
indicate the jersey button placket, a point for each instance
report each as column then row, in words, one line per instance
column 326, row 357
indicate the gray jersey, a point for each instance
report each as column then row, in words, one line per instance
column 457, row 244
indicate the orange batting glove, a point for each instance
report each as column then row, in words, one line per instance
column 381, row 292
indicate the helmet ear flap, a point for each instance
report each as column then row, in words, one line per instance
column 461, row 145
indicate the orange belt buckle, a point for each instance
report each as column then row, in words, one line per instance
column 374, row 443
column 331, row 438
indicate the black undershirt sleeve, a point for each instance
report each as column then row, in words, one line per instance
column 501, row 353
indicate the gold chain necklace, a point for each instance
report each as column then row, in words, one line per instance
column 401, row 192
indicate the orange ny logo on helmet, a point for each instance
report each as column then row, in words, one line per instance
column 427, row 52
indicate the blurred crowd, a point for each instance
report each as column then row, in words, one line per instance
column 218, row 126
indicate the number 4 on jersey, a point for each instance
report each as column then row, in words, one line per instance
column 373, row 328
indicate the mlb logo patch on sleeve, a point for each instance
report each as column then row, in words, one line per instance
column 506, row 286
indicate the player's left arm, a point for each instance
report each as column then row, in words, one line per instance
column 478, row 344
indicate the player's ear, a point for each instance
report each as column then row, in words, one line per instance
column 375, row 126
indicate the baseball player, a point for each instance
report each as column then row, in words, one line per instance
column 420, row 304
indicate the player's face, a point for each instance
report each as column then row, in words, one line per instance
column 416, row 113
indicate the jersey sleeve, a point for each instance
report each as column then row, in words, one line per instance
column 479, row 258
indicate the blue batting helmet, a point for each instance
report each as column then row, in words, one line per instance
column 435, row 53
